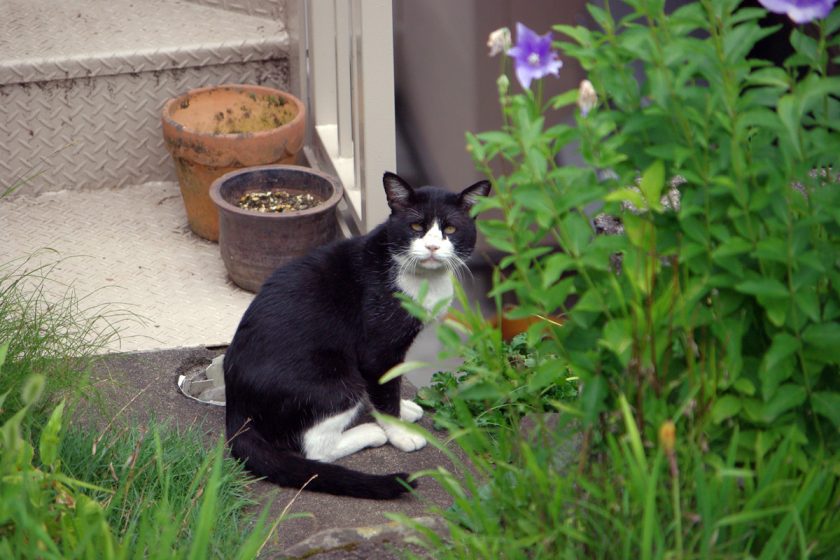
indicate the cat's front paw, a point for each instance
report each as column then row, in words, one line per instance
column 404, row 440
column 372, row 434
column 410, row 411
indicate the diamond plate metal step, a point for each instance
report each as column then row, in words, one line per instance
column 82, row 82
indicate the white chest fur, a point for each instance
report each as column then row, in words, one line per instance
column 439, row 288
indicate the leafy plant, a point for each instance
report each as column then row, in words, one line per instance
column 709, row 315
column 726, row 303
column 498, row 398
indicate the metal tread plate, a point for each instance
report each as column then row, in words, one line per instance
column 91, row 133
column 42, row 40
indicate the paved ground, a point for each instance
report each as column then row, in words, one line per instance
column 128, row 250
column 144, row 385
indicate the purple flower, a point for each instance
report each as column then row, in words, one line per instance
column 800, row 11
column 532, row 56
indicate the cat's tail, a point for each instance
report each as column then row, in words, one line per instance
column 288, row 468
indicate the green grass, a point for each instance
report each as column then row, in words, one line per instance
column 147, row 491
column 144, row 466
column 516, row 500
column 50, row 330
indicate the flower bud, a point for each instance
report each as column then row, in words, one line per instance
column 668, row 436
column 503, row 84
column 587, row 98
column 499, row 41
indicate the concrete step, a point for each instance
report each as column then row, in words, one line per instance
column 130, row 259
column 82, row 82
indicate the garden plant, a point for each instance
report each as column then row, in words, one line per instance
column 694, row 255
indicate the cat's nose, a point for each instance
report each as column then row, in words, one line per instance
column 432, row 247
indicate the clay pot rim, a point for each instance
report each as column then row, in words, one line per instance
column 171, row 122
column 224, row 205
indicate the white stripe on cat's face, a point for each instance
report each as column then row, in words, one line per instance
column 433, row 249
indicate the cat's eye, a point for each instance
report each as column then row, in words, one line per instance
column 417, row 227
column 449, row 230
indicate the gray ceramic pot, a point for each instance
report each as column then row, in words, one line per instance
column 253, row 244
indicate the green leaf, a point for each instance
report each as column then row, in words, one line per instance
column 618, row 338
column 627, row 194
column 766, row 287
column 475, row 147
column 782, row 346
column 546, row 374
column 772, row 249
column 639, row 231
column 738, row 42
column 601, row 17
column 555, row 266
column 725, row 407
column 533, row 197
column 653, row 180
column 495, row 137
column 814, row 90
column 744, row 386
column 732, row 247
column 564, row 99
column 32, row 389
column 827, row 404
column 805, row 45
column 480, row 391
column 633, row 435
column 670, row 152
column 579, row 33
column 787, row 397
column 824, row 335
column 808, row 301
column 832, row 22
column 769, row 76
column 51, row 438
column 790, row 113
column 578, row 231
column 592, row 397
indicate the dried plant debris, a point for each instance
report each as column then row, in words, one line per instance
column 277, row 201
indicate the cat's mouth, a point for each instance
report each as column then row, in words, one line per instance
column 432, row 262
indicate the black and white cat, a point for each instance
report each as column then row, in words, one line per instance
column 307, row 356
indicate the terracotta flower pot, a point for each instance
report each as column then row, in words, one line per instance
column 212, row 131
column 253, row 243
column 511, row 327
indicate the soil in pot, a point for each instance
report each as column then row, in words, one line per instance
column 278, row 201
column 232, row 112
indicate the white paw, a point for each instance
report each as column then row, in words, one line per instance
column 404, row 440
column 371, row 434
column 410, row 411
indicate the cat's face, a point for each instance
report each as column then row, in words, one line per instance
column 430, row 228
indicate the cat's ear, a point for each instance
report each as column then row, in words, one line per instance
column 400, row 195
column 469, row 196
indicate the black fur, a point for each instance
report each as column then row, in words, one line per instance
column 320, row 334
